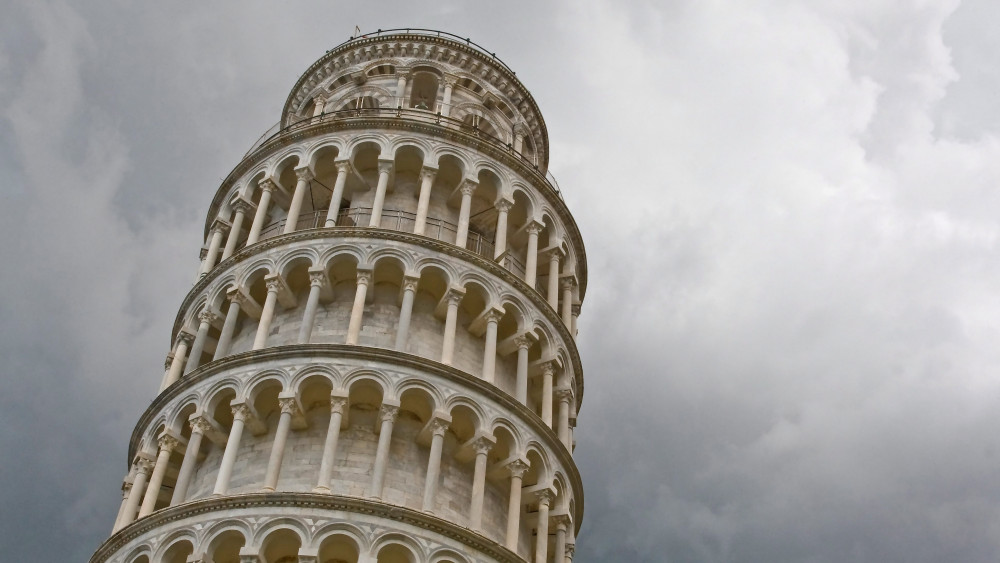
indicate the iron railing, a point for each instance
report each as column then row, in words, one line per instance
column 431, row 33
column 401, row 221
column 414, row 114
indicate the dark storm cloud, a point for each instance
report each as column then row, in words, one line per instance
column 790, row 217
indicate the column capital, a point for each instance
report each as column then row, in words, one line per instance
column 209, row 317
column 317, row 279
column 483, row 444
column 288, row 405
column 364, row 277
column 410, row 283
column 523, row 341
column 185, row 337
column 533, row 227
column 304, row 174
column 544, row 496
column 337, row 404
column 467, row 187
column 385, row 165
column 517, row 468
column 167, row 442
column 562, row 521
column 267, row 185
column 243, row 205
column 428, row 171
column 548, row 368
column 455, row 295
column 494, row 315
column 503, row 205
column 388, row 413
column 568, row 282
column 521, row 129
column 143, row 465
column 438, row 426
column 274, row 283
column 402, row 73
column 450, row 80
column 343, row 166
column 200, row 424
column 570, row 550
column 170, row 360
column 576, row 309
column 241, row 411
column 564, row 395
column 221, row 225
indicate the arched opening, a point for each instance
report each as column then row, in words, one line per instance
column 178, row 552
column 225, row 548
column 281, row 546
column 396, row 553
column 424, row 92
column 338, row 548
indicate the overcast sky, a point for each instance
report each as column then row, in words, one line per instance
column 791, row 336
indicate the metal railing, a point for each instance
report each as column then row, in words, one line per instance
column 414, row 114
column 401, row 221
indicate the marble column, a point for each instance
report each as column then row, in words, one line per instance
column 241, row 208
column 427, row 174
column 303, row 176
column 438, row 427
column 547, row 374
column 143, row 467
column 167, row 444
column 199, row 427
column 542, row 540
column 462, row 237
column 490, row 351
column 401, row 87
column 449, row 85
column 564, row 396
column 319, row 105
column 267, row 187
column 343, row 168
column 229, row 325
column 406, row 312
column 358, row 309
column 454, row 297
column 384, row 168
column 531, row 262
column 482, row 446
column 567, row 302
column 553, row 294
column 274, row 284
column 241, row 412
column 387, row 417
column 575, row 311
column 317, row 279
column 184, row 339
column 521, row 381
column 219, row 229
column 517, row 468
column 338, row 404
column 206, row 319
column 500, row 242
column 562, row 524
column 289, row 408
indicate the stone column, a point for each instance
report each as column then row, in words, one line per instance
column 542, row 540
column 521, row 381
column 531, row 263
column 229, row 326
column 401, row 87
column 184, row 339
column 266, row 189
column 553, row 293
column 387, row 417
column 449, row 85
column 319, row 105
column 500, row 242
column 126, row 491
column 241, row 208
column 520, row 132
column 317, row 279
column 482, row 446
column 438, row 426
column 405, row 312
column 462, row 236
column 454, row 297
column 343, row 167
column 289, row 407
column 219, row 229
column 567, row 302
column 575, row 310
column 167, row 443
column 490, row 352
column 337, row 405
column 199, row 427
column 562, row 523
column 206, row 320
column 274, row 284
column 570, row 550
column 166, row 369
column 241, row 412
column 384, row 168
column 427, row 174
column 358, row 309
column 517, row 469
column 303, row 176
column 564, row 396
column 547, row 371
column 143, row 467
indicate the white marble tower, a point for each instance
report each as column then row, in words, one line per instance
column 377, row 359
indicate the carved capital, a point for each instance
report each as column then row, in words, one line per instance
column 570, row 550
column 384, row 166
column 455, row 296
column 143, row 465
column 428, row 173
column 169, row 360
column 220, row 226
column 338, row 404
column 208, row 317
column 544, row 496
column 483, row 445
column 517, row 468
column 468, row 187
column 200, row 424
column 304, row 174
column 503, row 206
column 288, row 405
column 317, row 279
column 242, row 411
column 576, row 309
column 186, row 337
column 388, row 413
column 364, row 277
column 450, row 81
column 343, row 166
column 523, row 341
column 274, row 283
column 267, row 185
column 567, row 283
column 439, row 426
column 548, row 368
column 533, row 228
column 561, row 521
column 242, row 205
column 494, row 316
column 410, row 284
column 167, row 442
column 564, row 395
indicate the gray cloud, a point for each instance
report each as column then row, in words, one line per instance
column 790, row 213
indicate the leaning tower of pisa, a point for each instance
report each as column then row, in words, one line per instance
column 377, row 359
